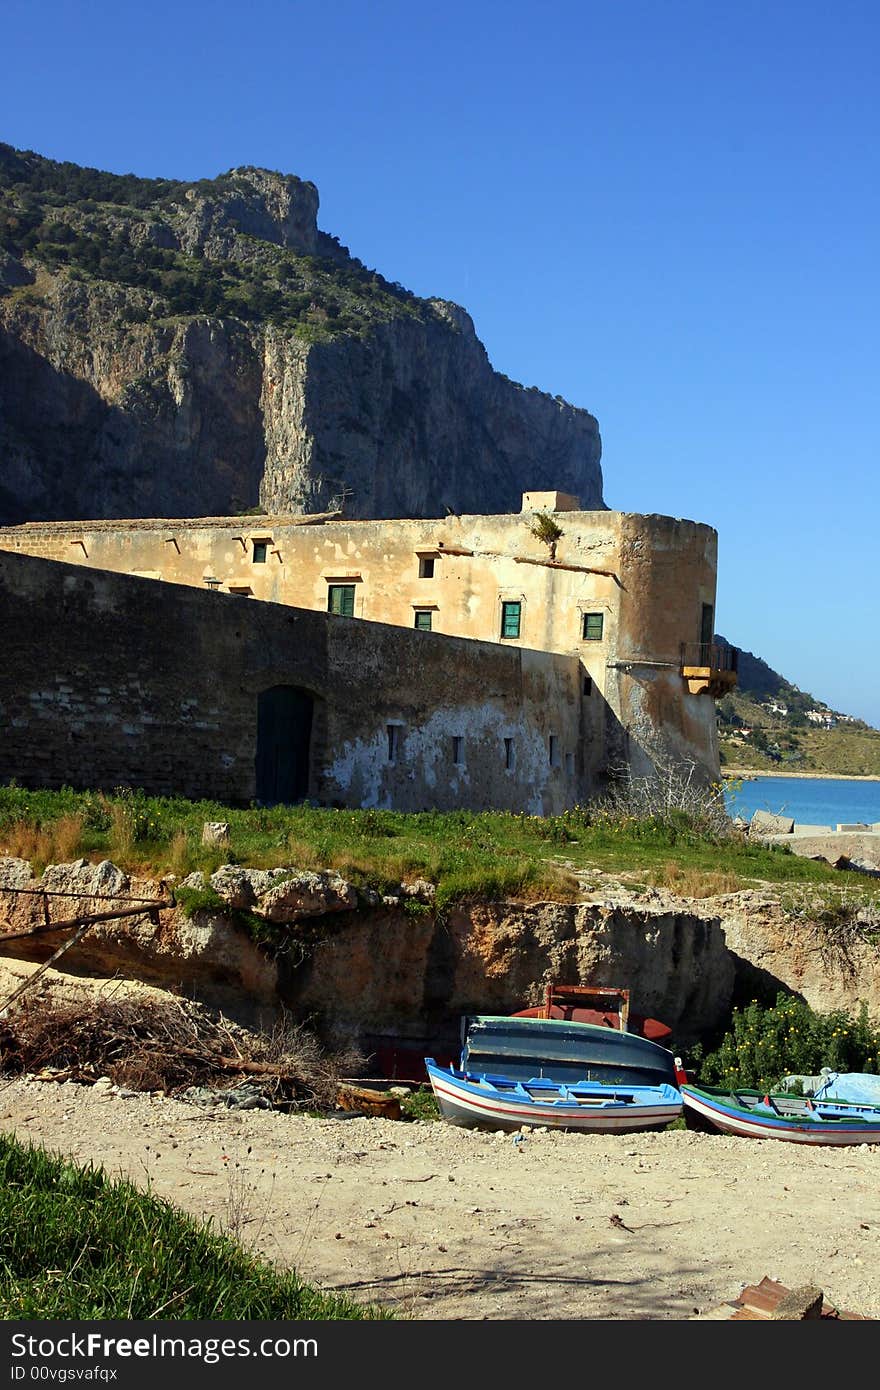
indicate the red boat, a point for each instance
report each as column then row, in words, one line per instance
column 597, row 1004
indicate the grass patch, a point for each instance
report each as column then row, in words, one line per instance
column 488, row 855
column 75, row 1244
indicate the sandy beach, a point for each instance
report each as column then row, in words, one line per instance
column 438, row 1222
column 750, row 773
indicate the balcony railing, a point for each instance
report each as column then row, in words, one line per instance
column 708, row 656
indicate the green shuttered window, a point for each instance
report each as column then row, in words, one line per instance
column 594, row 624
column 511, row 615
column 423, row 619
column 340, row 599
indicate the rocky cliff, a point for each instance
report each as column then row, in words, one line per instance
column 199, row 349
column 373, row 969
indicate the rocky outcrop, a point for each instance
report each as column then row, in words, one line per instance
column 368, row 967
column 203, row 349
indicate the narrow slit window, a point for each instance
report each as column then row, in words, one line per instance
column 594, row 625
column 423, row 619
column 511, row 618
column 569, row 764
column 457, row 749
column 509, row 755
column 553, row 750
column 393, row 742
column 588, row 685
column 340, row 599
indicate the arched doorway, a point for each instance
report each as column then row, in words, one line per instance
column 284, row 730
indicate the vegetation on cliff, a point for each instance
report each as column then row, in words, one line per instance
column 84, row 225
column 465, row 854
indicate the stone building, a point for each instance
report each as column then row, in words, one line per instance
column 592, row 630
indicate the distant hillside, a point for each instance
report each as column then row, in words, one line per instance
column 188, row 349
column 769, row 723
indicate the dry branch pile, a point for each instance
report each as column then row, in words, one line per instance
column 169, row 1047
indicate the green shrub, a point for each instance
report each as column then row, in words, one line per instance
column 766, row 1043
column 421, row 1105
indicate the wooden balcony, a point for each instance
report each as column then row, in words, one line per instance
column 708, row 668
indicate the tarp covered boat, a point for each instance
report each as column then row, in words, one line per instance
column 557, row 1050
column 797, row 1119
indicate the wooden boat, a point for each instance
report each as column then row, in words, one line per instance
column 515, row 1071
column 500, row 1102
column 605, row 1005
column 797, row 1119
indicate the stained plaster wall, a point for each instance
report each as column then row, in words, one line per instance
column 109, row 679
column 648, row 576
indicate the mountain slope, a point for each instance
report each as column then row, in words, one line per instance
column 769, row 723
column 172, row 348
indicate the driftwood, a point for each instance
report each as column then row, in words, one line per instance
column 367, row 1102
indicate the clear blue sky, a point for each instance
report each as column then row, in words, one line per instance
column 666, row 211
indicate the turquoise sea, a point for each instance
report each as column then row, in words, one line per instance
column 812, row 800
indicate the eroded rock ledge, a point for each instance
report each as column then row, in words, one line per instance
column 365, row 966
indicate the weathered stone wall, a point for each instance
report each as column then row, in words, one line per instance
column 645, row 577
column 110, row 680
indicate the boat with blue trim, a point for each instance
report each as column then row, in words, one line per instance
column 499, row 1102
column 516, row 1071
column 776, row 1115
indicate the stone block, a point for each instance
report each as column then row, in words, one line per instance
column 856, row 825
column 215, row 832
column 765, row 823
column 799, row 1304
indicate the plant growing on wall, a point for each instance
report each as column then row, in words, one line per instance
column 545, row 528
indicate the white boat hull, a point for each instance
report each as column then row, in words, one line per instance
column 596, row 1109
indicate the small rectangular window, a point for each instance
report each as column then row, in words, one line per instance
column 261, row 550
column 588, row 685
column 457, row 748
column 393, row 742
column 594, row 624
column 553, row 749
column 569, row 764
column 423, row 619
column 340, row 599
column 511, row 614
column 426, row 567
column 243, row 590
column 509, row 755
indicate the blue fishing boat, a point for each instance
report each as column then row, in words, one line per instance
column 579, row 1076
column 772, row 1115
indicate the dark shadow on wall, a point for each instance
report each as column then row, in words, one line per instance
column 69, row 453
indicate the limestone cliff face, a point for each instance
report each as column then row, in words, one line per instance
column 101, row 418
column 412, row 421
column 201, row 349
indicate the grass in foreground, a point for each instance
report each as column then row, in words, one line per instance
column 466, row 854
column 74, row 1244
